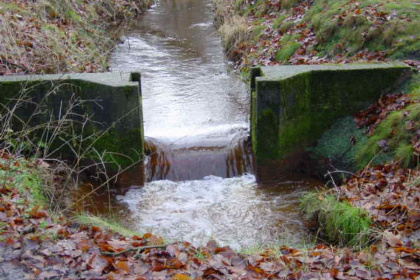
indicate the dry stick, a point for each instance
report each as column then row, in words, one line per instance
column 100, row 186
column 333, row 182
column 137, row 249
column 342, row 171
column 370, row 162
column 14, row 65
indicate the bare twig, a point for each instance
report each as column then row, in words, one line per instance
column 138, row 250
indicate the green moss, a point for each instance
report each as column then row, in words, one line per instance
column 340, row 222
column 394, row 135
column 253, row 122
column 121, row 150
column 336, row 144
column 267, row 145
column 302, row 107
column 287, row 51
column 413, row 86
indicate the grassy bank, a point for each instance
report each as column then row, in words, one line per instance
column 320, row 31
column 338, row 221
column 55, row 36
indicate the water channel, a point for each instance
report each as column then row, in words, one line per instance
column 196, row 117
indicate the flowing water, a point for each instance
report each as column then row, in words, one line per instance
column 196, row 119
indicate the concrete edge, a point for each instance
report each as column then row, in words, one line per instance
column 111, row 79
column 281, row 72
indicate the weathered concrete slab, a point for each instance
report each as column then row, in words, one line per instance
column 113, row 100
column 293, row 105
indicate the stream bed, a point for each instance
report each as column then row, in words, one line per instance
column 199, row 169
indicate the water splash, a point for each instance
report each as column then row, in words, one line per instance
column 232, row 211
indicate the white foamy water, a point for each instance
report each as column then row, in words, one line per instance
column 232, row 211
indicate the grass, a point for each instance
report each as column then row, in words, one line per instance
column 398, row 130
column 332, row 22
column 279, row 21
column 16, row 174
column 363, row 30
column 338, row 221
column 234, row 32
column 273, row 249
column 105, row 223
column 287, row 51
column 34, row 186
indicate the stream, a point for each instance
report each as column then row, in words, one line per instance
column 199, row 182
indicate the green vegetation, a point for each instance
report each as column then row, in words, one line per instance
column 335, row 143
column 105, row 223
column 321, row 31
column 23, row 177
column 287, row 51
column 342, row 145
column 396, row 134
column 340, row 222
column 34, row 184
column 378, row 25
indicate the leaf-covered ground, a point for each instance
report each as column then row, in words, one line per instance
column 320, row 31
column 390, row 195
column 38, row 244
column 35, row 244
column 41, row 37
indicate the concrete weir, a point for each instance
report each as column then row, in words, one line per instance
column 293, row 105
column 111, row 100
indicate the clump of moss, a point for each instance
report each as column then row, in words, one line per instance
column 287, row 51
column 396, row 134
column 336, row 144
column 339, row 222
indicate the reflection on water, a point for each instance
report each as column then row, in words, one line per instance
column 195, row 112
column 195, row 162
column 196, row 118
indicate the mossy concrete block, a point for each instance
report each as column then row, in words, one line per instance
column 293, row 105
column 111, row 100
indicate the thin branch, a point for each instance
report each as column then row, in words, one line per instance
column 138, row 250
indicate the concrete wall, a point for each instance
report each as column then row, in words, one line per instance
column 293, row 105
column 113, row 100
